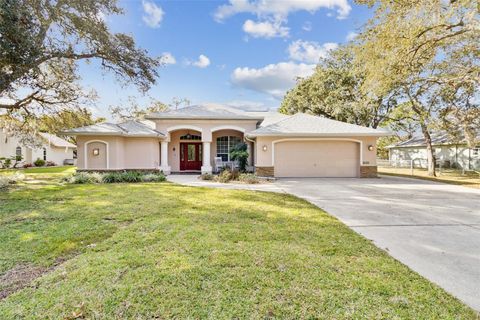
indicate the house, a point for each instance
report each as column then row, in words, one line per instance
column 191, row 139
column 51, row 148
column 448, row 152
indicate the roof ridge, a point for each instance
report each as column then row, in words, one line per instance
column 289, row 116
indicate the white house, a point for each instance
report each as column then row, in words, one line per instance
column 447, row 152
column 52, row 149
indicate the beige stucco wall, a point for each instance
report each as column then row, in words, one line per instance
column 123, row 153
column 264, row 158
column 209, row 130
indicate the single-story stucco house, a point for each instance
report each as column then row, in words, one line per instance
column 448, row 152
column 194, row 138
column 50, row 148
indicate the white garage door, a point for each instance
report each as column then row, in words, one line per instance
column 317, row 159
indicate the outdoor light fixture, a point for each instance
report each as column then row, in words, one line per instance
column 174, row 149
column 370, row 148
column 264, row 148
column 96, row 152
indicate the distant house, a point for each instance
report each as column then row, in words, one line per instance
column 448, row 153
column 52, row 148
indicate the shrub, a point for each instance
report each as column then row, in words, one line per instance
column 86, row 177
column 8, row 180
column 28, row 165
column 206, row 176
column 112, row 177
column 7, row 163
column 39, row 162
column 239, row 153
column 248, row 178
column 50, row 164
column 153, row 177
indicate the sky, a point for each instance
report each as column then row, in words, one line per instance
column 244, row 53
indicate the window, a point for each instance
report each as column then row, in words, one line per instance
column 189, row 136
column 225, row 144
column 18, row 151
column 74, row 154
column 476, row 152
column 45, row 154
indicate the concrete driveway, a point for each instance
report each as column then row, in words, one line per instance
column 433, row 228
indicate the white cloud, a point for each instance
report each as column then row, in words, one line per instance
column 309, row 51
column 351, row 35
column 168, row 58
column 283, row 8
column 273, row 79
column 265, row 29
column 307, row 26
column 202, row 62
column 153, row 14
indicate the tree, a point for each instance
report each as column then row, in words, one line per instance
column 239, row 153
column 333, row 91
column 66, row 119
column 133, row 111
column 412, row 46
column 41, row 44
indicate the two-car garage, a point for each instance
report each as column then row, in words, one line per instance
column 324, row 158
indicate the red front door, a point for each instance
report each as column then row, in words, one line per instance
column 190, row 156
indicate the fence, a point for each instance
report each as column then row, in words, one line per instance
column 396, row 164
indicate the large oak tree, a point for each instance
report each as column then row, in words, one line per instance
column 41, row 43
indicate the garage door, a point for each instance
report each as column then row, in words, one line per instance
column 317, row 159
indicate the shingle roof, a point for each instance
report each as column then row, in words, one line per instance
column 56, row 141
column 438, row 138
column 204, row 111
column 302, row 124
column 130, row 128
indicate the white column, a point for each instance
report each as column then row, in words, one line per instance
column 164, row 158
column 206, row 165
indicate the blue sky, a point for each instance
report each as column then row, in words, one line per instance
column 238, row 52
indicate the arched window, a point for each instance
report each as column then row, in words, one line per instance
column 18, row 151
column 45, row 154
column 225, row 144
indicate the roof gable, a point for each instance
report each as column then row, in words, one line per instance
column 130, row 128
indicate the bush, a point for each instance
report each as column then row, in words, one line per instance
column 206, row 176
column 7, row 180
column 239, row 153
column 39, row 162
column 28, row 165
column 153, row 177
column 112, row 177
column 50, row 164
column 227, row 175
column 7, row 163
column 248, row 178
column 86, row 177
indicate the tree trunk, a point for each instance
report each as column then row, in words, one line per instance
column 430, row 153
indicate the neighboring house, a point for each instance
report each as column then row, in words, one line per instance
column 447, row 152
column 195, row 138
column 52, row 148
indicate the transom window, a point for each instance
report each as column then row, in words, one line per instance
column 189, row 136
column 225, row 144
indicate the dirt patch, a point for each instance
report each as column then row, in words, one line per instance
column 19, row 277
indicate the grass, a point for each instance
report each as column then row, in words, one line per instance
column 144, row 251
column 450, row 176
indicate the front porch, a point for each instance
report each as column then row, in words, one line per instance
column 189, row 149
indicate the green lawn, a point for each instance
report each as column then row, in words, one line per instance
column 145, row 251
